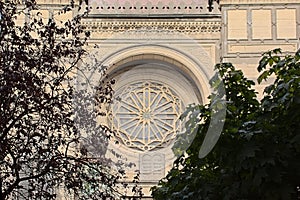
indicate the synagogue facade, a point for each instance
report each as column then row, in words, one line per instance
column 162, row 55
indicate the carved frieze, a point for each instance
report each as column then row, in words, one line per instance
column 189, row 27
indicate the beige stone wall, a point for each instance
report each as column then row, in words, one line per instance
column 46, row 11
column 233, row 3
column 253, row 27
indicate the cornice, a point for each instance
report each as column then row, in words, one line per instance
column 189, row 27
column 146, row 7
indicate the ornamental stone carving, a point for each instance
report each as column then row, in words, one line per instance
column 146, row 115
column 166, row 26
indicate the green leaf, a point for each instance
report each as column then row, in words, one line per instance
column 263, row 76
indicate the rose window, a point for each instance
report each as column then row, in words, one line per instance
column 146, row 115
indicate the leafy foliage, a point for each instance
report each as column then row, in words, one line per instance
column 44, row 114
column 257, row 155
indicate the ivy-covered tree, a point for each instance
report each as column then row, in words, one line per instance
column 257, row 155
column 45, row 110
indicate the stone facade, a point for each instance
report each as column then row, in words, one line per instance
column 162, row 54
column 261, row 26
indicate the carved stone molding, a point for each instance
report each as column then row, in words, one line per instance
column 169, row 26
column 150, row 7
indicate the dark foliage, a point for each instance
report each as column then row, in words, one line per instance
column 48, row 124
column 257, row 155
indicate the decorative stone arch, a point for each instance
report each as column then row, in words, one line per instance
column 161, row 59
column 188, row 74
column 198, row 68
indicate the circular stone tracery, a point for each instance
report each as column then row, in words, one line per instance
column 146, row 115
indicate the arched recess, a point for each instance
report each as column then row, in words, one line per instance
column 197, row 69
column 184, row 74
